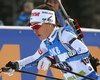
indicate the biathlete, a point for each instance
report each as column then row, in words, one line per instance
column 46, row 26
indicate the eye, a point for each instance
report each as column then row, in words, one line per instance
column 33, row 28
column 35, row 24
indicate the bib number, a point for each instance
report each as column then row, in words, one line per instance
column 66, row 66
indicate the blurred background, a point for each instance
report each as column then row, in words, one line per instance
column 87, row 12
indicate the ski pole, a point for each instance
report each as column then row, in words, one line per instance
column 72, row 72
column 39, row 75
column 5, row 69
column 35, row 64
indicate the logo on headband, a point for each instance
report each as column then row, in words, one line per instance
column 47, row 19
column 45, row 12
column 35, row 14
column 50, row 19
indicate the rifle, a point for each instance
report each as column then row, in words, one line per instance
column 73, row 23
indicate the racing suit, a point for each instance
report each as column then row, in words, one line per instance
column 78, row 62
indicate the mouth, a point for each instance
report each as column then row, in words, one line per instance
column 38, row 35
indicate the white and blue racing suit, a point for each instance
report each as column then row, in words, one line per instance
column 78, row 63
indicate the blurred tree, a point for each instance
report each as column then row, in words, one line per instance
column 6, row 11
column 71, row 7
column 97, row 13
column 87, row 12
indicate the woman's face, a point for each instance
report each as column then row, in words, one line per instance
column 44, row 31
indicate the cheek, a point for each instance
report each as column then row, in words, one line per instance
column 45, row 33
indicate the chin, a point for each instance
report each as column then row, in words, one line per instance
column 42, row 38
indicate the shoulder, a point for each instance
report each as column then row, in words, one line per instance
column 67, row 34
column 69, row 29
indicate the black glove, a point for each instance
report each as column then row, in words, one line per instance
column 13, row 65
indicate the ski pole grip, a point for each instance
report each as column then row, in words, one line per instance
column 5, row 69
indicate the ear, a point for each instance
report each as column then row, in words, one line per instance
column 50, row 25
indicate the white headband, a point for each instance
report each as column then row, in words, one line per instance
column 41, row 15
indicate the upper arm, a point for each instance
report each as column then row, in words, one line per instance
column 76, row 44
column 67, row 36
